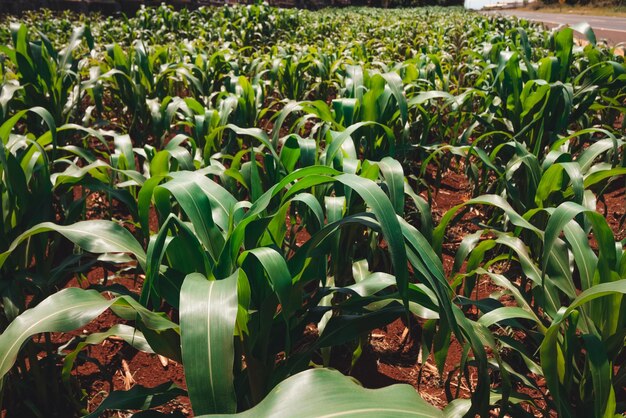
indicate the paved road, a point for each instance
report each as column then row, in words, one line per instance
column 611, row 28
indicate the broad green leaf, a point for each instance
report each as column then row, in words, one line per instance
column 65, row 311
column 505, row 313
column 551, row 353
column 566, row 212
column 96, row 236
column 394, row 179
column 376, row 199
column 208, row 309
column 330, row 394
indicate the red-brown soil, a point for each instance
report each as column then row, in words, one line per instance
column 109, row 372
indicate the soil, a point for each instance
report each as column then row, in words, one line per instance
column 613, row 206
column 114, row 365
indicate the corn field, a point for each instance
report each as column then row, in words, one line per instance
column 252, row 193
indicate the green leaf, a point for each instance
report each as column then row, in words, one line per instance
column 565, row 213
column 96, row 236
column 505, row 313
column 564, row 43
column 277, row 273
column 381, row 206
column 68, row 310
column 601, row 376
column 329, row 394
column 138, row 397
column 394, row 179
column 585, row 29
column 395, row 84
column 550, row 351
column 208, row 310
column 197, row 207
column 491, row 200
column 129, row 334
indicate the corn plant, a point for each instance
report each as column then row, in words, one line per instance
column 48, row 77
column 575, row 337
column 228, row 258
column 264, row 170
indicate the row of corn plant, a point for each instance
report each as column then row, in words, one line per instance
column 265, row 161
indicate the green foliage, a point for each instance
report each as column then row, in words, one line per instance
column 269, row 173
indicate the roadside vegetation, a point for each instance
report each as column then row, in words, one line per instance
column 614, row 10
column 267, row 178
